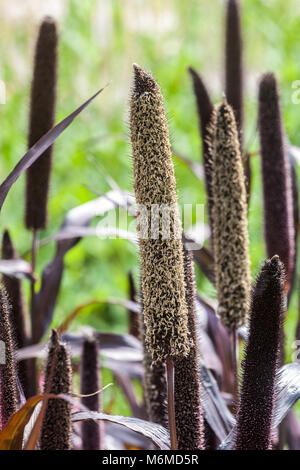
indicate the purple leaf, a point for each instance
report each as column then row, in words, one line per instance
column 39, row 148
column 126, row 436
column 155, row 432
column 287, row 393
column 215, row 410
column 123, row 348
column 17, row 268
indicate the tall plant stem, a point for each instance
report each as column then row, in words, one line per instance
column 32, row 373
column 171, row 405
column 234, row 338
column 33, row 266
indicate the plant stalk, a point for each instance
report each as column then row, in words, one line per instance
column 32, row 378
column 235, row 367
column 32, row 286
column 171, row 404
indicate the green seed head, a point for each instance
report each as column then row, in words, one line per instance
column 161, row 255
column 232, row 263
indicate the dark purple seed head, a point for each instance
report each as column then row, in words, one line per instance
column 276, row 177
column 42, row 112
column 8, row 385
column 255, row 412
column 234, row 62
column 205, row 111
column 90, row 379
column 17, row 309
column 57, row 426
column 187, row 396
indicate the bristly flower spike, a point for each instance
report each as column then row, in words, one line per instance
column 92, row 432
column 161, row 255
column 276, row 178
column 205, row 110
column 42, row 112
column 8, row 373
column 154, row 384
column 14, row 292
column 234, row 76
column 256, row 407
column 234, row 62
column 231, row 244
column 154, row 380
column 189, row 417
column 57, row 427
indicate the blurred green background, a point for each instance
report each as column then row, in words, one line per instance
column 99, row 41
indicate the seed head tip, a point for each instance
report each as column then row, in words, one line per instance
column 49, row 22
column 143, row 81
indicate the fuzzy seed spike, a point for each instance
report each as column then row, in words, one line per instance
column 262, row 353
column 57, row 428
column 189, row 417
column 8, row 250
column 92, row 432
column 8, row 386
column 276, row 177
column 205, row 107
column 154, row 380
column 14, row 292
column 42, row 111
column 232, row 263
column 205, row 111
column 155, row 390
column 161, row 257
column 234, row 61
column 143, row 81
column 154, row 385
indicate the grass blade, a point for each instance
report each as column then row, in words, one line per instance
column 39, row 148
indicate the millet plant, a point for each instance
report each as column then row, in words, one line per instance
column 186, row 383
